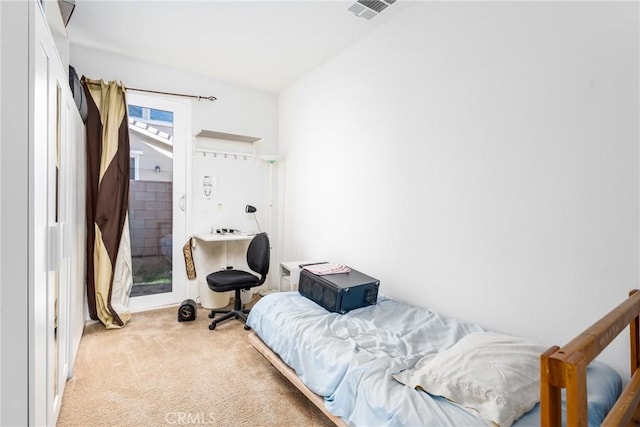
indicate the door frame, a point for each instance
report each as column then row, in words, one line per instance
column 181, row 154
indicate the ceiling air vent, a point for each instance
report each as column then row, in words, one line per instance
column 369, row 9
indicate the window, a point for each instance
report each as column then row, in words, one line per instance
column 136, row 111
column 150, row 114
column 163, row 116
column 134, row 165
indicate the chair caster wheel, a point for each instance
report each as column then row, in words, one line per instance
column 246, row 328
column 212, row 326
column 212, row 315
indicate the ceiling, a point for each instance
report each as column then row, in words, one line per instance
column 266, row 45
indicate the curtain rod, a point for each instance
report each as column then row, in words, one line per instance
column 209, row 98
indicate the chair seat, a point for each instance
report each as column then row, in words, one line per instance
column 229, row 280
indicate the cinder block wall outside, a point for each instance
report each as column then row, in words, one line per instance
column 150, row 216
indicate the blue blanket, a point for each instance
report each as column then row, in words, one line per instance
column 349, row 359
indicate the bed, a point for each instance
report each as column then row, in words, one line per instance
column 358, row 367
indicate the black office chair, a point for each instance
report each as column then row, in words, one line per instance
column 236, row 280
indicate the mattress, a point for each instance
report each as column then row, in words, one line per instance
column 349, row 360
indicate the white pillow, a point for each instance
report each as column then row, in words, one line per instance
column 495, row 375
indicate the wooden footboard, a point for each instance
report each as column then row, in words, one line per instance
column 566, row 368
column 290, row 374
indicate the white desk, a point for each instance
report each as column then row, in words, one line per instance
column 220, row 238
column 290, row 274
column 215, row 237
column 211, row 253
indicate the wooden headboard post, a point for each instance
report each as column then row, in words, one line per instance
column 634, row 342
column 550, row 391
column 566, row 367
column 559, row 370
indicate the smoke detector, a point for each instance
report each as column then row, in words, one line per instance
column 369, row 9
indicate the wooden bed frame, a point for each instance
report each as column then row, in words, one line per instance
column 560, row 367
column 290, row 374
column 566, row 368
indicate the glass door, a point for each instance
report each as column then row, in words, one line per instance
column 157, row 217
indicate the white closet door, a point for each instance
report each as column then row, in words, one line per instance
column 51, row 188
column 76, row 233
column 39, row 332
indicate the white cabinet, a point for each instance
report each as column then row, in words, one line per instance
column 55, row 186
column 42, row 219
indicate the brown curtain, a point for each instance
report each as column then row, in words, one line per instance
column 109, row 277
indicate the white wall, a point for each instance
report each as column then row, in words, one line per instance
column 149, row 159
column 237, row 110
column 481, row 159
column 238, row 182
column 1, row 365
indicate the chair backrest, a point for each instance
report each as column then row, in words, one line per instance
column 258, row 255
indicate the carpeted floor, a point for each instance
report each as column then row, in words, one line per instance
column 160, row 372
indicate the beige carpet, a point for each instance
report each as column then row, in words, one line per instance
column 160, row 372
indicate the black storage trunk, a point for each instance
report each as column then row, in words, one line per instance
column 340, row 292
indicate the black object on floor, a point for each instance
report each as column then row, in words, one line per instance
column 187, row 311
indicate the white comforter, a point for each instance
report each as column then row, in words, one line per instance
column 349, row 359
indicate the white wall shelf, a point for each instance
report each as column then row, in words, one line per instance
column 214, row 142
column 226, row 136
